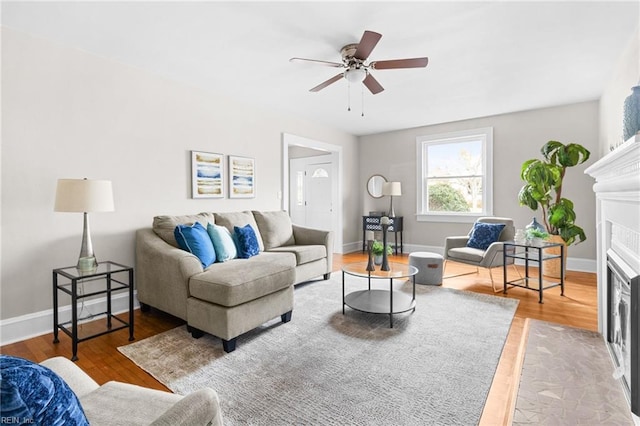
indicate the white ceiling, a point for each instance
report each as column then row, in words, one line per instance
column 485, row 58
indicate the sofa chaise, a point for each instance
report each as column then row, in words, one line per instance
column 227, row 299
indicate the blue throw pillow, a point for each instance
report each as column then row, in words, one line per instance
column 33, row 394
column 247, row 241
column 222, row 242
column 484, row 234
column 195, row 240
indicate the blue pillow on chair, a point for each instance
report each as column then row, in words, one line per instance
column 247, row 241
column 196, row 241
column 484, row 234
column 33, row 394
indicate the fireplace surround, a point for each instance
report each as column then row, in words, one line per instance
column 617, row 190
column 623, row 331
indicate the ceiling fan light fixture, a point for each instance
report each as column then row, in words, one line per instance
column 355, row 75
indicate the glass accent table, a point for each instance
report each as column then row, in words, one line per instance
column 530, row 252
column 388, row 302
column 111, row 275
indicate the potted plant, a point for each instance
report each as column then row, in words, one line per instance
column 376, row 250
column 543, row 189
column 536, row 236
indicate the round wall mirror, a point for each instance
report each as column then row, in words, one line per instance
column 374, row 185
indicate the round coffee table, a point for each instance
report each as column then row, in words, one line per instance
column 388, row 302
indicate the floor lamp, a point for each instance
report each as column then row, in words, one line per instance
column 84, row 196
column 392, row 189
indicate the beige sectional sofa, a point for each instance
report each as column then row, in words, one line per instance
column 227, row 299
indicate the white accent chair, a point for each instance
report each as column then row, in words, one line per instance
column 116, row 403
column 456, row 250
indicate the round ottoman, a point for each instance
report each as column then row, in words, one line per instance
column 429, row 267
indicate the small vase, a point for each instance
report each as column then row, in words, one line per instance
column 631, row 121
column 535, row 225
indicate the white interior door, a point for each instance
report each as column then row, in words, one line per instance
column 319, row 208
column 311, row 187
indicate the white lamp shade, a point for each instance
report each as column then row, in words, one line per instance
column 392, row 188
column 84, row 195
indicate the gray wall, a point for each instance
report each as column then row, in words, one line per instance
column 516, row 138
column 69, row 114
column 625, row 75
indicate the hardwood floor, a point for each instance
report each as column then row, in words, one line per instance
column 578, row 308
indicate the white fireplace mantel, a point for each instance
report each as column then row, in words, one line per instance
column 617, row 189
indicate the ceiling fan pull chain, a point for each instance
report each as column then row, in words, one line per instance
column 349, row 97
column 362, row 98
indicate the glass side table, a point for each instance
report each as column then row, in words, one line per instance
column 388, row 302
column 530, row 252
column 108, row 278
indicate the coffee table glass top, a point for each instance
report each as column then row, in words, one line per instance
column 397, row 270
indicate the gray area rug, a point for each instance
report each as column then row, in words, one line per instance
column 567, row 380
column 434, row 367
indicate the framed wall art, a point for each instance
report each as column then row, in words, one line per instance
column 207, row 175
column 242, row 177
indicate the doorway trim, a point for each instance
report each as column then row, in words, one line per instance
column 294, row 140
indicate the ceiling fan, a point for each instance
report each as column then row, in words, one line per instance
column 357, row 70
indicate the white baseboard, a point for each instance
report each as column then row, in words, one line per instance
column 36, row 324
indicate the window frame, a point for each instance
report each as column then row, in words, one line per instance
column 486, row 136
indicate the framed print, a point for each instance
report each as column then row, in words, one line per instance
column 207, row 175
column 242, row 177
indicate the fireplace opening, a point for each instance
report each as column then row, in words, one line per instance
column 623, row 333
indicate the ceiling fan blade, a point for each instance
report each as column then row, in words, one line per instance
column 326, row 83
column 367, row 43
column 400, row 63
column 372, row 84
column 327, row 63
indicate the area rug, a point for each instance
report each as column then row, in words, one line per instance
column 435, row 366
column 567, row 379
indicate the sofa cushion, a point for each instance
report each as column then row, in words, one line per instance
column 195, row 239
column 240, row 219
column 164, row 226
column 247, row 243
column 103, row 405
column 37, row 395
column 275, row 227
column 222, row 243
column 241, row 280
column 304, row 254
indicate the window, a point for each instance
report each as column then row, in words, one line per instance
column 455, row 176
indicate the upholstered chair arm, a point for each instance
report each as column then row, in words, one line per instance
column 159, row 266
column 493, row 256
column 454, row 242
column 201, row 407
column 79, row 381
column 310, row 236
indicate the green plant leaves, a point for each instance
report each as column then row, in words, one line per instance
column 543, row 187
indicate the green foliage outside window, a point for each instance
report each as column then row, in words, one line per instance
column 444, row 198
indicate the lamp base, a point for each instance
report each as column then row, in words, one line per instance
column 87, row 264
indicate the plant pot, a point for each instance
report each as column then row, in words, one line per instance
column 377, row 259
column 552, row 267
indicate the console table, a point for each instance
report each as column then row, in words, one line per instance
column 108, row 277
column 372, row 223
